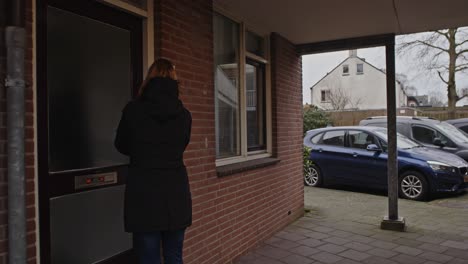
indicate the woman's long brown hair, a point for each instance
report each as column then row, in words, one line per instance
column 160, row 68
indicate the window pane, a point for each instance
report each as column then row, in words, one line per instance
column 256, row 119
column 423, row 134
column 226, row 62
column 254, row 44
column 88, row 84
column 360, row 68
column 334, row 138
column 345, row 69
column 359, row 139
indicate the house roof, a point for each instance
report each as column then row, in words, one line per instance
column 363, row 60
column 305, row 21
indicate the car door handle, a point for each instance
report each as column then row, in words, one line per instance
column 355, row 154
column 320, row 150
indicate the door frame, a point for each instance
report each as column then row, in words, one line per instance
column 107, row 11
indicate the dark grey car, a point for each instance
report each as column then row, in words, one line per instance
column 429, row 132
column 461, row 123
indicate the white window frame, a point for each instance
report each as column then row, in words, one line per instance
column 357, row 68
column 345, row 73
column 245, row 155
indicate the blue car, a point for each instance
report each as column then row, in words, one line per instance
column 357, row 156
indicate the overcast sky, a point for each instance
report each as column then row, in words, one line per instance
column 316, row 67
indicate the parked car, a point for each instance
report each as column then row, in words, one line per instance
column 357, row 155
column 461, row 123
column 428, row 132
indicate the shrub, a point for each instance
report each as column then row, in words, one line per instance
column 315, row 118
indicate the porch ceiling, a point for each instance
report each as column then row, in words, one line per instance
column 308, row 21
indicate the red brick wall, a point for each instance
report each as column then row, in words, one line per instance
column 29, row 147
column 232, row 214
column 3, row 149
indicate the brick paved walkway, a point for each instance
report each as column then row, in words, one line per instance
column 343, row 227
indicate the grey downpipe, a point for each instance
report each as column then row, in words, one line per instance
column 15, row 86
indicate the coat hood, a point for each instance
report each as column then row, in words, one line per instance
column 160, row 98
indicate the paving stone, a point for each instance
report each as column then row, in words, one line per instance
column 457, row 253
column 272, row 252
column 408, row 250
column 435, row 257
column 378, row 260
column 332, row 248
column 337, row 240
column 295, row 259
column 290, row 236
column 384, row 244
column 407, row 259
column 342, row 234
column 455, row 261
column 347, row 261
column 361, row 239
column 430, row 239
column 383, row 236
column 384, row 253
column 455, row 244
column 316, row 235
column 304, row 250
column 408, row 242
column 284, row 244
column 358, row 246
column 354, row 255
column 326, row 257
column 311, row 242
column 324, row 229
column 432, row 247
column 410, row 235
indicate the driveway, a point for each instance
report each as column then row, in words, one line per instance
column 342, row 226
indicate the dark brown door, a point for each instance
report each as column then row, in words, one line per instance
column 89, row 67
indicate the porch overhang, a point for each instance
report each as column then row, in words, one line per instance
column 312, row 21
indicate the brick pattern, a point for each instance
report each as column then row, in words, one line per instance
column 231, row 214
column 29, row 144
column 3, row 149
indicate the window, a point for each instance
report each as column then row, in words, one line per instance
column 360, row 139
column 226, row 61
column 345, row 69
column 241, row 92
column 334, row 138
column 427, row 136
column 316, row 139
column 325, row 95
column 360, row 68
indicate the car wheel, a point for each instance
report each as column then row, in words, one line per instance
column 312, row 176
column 413, row 186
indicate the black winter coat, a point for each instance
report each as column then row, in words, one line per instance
column 154, row 131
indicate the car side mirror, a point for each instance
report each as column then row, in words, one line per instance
column 438, row 142
column 373, row 147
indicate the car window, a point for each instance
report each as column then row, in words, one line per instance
column 464, row 128
column 427, row 136
column 316, row 139
column 334, row 138
column 360, row 139
column 452, row 132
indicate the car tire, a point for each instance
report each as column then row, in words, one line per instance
column 313, row 176
column 413, row 186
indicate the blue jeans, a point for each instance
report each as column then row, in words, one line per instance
column 147, row 246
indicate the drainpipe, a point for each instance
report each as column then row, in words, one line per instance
column 15, row 85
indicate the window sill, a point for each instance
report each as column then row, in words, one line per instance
column 230, row 169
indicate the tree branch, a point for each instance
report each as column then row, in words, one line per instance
column 461, row 69
column 430, row 45
column 442, row 78
column 461, row 43
column 445, row 34
column 462, row 51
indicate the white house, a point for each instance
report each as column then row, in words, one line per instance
column 354, row 84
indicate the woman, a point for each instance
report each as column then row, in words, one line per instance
column 154, row 131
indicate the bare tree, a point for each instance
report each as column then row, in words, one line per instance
column 444, row 52
column 436, row 98
column 339, row 98
column 405, row 84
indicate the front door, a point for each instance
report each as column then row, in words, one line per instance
column 89, row 66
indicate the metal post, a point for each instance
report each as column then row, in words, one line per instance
column 392, row 221
column 15, row 85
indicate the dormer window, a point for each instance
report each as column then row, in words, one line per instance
column 345, row 69
column 360, row 68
